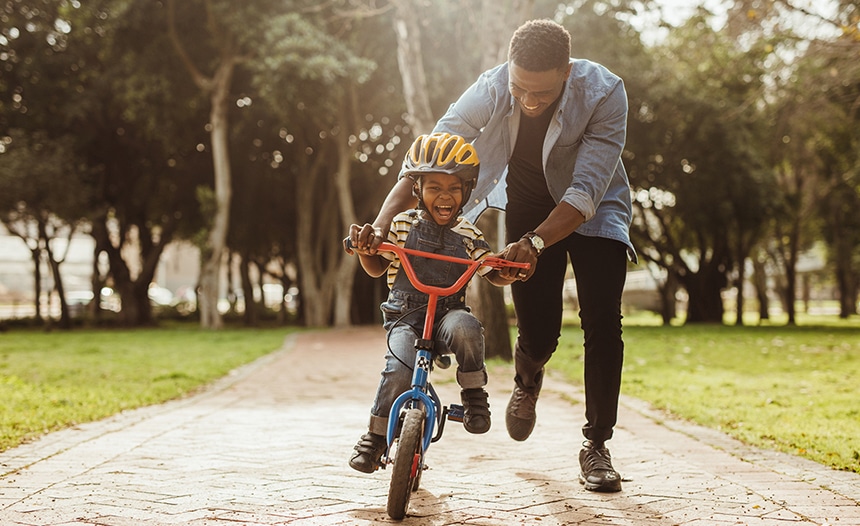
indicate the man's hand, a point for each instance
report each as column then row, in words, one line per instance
column 520, row 251
column 365, row 239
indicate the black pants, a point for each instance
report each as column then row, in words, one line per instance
column 600, row 269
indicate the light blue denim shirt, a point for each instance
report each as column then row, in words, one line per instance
column 581, row 152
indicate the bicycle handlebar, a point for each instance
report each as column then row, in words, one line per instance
column 471, row 266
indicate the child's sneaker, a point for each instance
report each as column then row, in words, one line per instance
column 368, row 453
column 476, row 417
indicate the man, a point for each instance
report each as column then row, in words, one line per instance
column 553, row 128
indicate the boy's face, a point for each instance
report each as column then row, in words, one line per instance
column 442, row 195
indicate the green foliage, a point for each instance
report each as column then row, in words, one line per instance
column 40, row 177
column 791, row 389
column 50, row 381
column 715, row 112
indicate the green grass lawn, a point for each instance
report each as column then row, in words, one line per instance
column 793, row 389
column 49, row 381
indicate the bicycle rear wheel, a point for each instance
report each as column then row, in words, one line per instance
column 407, row 464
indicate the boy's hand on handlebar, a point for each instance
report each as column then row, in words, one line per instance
column 365, row 239
column 520, row 252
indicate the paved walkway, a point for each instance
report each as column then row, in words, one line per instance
column 269, row 444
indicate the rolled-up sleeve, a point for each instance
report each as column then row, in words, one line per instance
column 598, row 152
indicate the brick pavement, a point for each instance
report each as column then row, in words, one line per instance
column 268, row 445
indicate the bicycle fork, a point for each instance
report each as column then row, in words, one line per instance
column 417, row 397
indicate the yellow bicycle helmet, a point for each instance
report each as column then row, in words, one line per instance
column 443, row 153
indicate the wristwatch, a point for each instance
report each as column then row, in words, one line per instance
column 535, row 240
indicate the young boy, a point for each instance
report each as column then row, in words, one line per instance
column 443, row 169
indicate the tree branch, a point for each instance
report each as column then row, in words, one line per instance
column 203, row 82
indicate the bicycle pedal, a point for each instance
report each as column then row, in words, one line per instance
column 456, row 413
column 442, row 361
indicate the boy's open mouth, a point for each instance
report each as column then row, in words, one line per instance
column 444, row 211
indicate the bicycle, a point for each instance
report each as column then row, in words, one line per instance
column 417, row 417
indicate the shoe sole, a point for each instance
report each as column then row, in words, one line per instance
column 362, row 468
column 476, row 431
column 602, row 488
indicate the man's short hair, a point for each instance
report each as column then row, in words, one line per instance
column 540, row 45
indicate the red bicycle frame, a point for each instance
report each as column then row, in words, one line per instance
column 435, row 292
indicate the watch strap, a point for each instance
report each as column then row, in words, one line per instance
column 539, row 247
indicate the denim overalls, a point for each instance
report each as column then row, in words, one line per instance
column 456, row 330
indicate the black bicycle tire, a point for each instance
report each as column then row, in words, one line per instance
column 402, row 475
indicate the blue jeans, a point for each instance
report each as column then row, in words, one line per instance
column 457, row 332
column 600, row 267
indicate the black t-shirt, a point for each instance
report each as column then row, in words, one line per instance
column 526, row 184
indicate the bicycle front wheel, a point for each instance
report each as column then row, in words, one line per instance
column 407, row 463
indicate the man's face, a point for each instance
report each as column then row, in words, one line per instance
column 536, row 90
column 442, row 195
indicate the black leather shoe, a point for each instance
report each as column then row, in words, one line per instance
column 476, row 410
column 597, row 472
column 368, row 453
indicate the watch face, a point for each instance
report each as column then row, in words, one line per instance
column 537, row 242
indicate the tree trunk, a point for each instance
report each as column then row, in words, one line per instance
column 847, row 283
column 497, row 22
column 488, row 301
column 410, row 59
column 346, row 266
column 739, row 303
column 36, row 254
column 218, row 88
column 488, row 305
column 250, row 315
column 314, row 237
column 704, row 288
column 136, row 309
column 790, row 257
column 210, row 318
column 760, row 283
column 791, row 289
column 65, row 317
column 667, row 291
column 96, row 283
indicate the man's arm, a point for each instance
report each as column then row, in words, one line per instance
column 560, row 223
column 399, row 198
column 366, row 238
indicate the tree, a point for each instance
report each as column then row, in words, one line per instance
column 81, row 72
column 39, row 204
column 41, row 198
column 813, row 139
column 335, row 141
column 42, row 177
column 216, row 84
column 699, row 190
column 412, row 73
column 141, row 134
